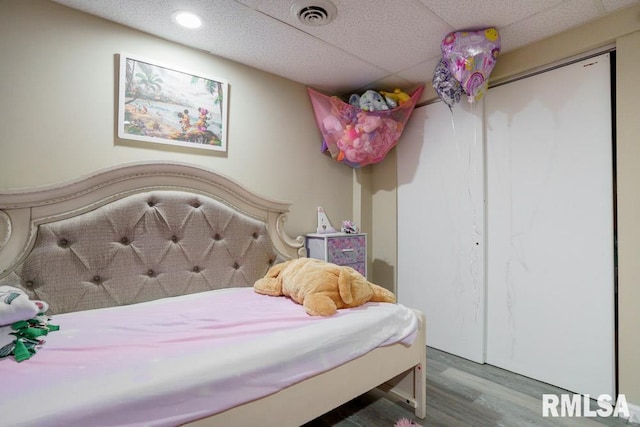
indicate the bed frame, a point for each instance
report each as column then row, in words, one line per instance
column 33, row 220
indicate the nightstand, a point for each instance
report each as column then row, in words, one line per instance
column 339, row 248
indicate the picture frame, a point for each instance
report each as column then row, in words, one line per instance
column 163, row 104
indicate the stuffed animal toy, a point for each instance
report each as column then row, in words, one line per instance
column 399, row 97
column 321, row 287
column 15, row 305
column 372, row 101
column 22, row 324
column 354, row 100
column 368, row 123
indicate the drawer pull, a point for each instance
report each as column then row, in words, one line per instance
column 348, row 250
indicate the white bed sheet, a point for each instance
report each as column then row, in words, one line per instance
column 174, row 360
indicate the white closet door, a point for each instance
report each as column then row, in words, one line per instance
column 440, row 225
column 550, row 299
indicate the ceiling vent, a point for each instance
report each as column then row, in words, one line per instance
column 314, row 12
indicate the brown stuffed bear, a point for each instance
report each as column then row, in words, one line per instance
column 321, row 287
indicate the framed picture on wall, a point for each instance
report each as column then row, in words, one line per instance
column 166, row 105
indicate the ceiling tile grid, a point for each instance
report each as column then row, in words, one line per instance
column 570, row 13
column 391, row 35
column 478, row 14
column 370, row 42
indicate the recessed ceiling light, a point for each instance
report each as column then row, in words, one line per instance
column 187, row 19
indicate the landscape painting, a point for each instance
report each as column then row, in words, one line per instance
column 162, row 104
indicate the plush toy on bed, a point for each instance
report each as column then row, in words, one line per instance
column 15, row 305
column 321, row 287
column 22, row 323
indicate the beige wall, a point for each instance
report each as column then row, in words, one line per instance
column 57, row 103
column 623, row 30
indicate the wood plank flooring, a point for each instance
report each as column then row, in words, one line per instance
column 462, row 393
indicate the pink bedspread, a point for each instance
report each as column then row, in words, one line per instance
column 171, row 361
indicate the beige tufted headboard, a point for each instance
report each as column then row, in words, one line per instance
column 136, row 233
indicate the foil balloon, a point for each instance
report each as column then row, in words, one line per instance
column 471, row 56
column 446, row 86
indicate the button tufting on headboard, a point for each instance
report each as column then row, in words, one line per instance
column 114, row 243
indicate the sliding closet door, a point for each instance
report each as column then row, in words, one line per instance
column 550, row 299
column 440, row 225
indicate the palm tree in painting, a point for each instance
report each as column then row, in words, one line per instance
column 147, row 80
column 215, row 89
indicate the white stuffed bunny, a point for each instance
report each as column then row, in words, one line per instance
column 22, row 324
column 15, row 306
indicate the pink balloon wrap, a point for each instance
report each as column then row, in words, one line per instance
column 471, row 56
column 356, row 137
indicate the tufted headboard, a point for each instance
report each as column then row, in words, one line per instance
column 136, row 233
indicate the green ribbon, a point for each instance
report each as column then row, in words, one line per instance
column 27, row 333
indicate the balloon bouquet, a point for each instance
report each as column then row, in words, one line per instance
column 468, row 57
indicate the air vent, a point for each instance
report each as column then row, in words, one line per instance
column 314, row 12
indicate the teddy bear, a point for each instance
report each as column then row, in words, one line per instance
column 321, row 287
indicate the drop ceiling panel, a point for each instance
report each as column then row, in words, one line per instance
column 479, row 14
column 422, row 72
column 390, row 35
column 569, row 14
column 370, row 42
column 265, row 43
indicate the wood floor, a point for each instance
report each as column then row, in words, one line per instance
column 462, row 393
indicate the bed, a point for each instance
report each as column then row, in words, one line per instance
column 145, row 267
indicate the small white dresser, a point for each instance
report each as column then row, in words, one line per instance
column 339, row 248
